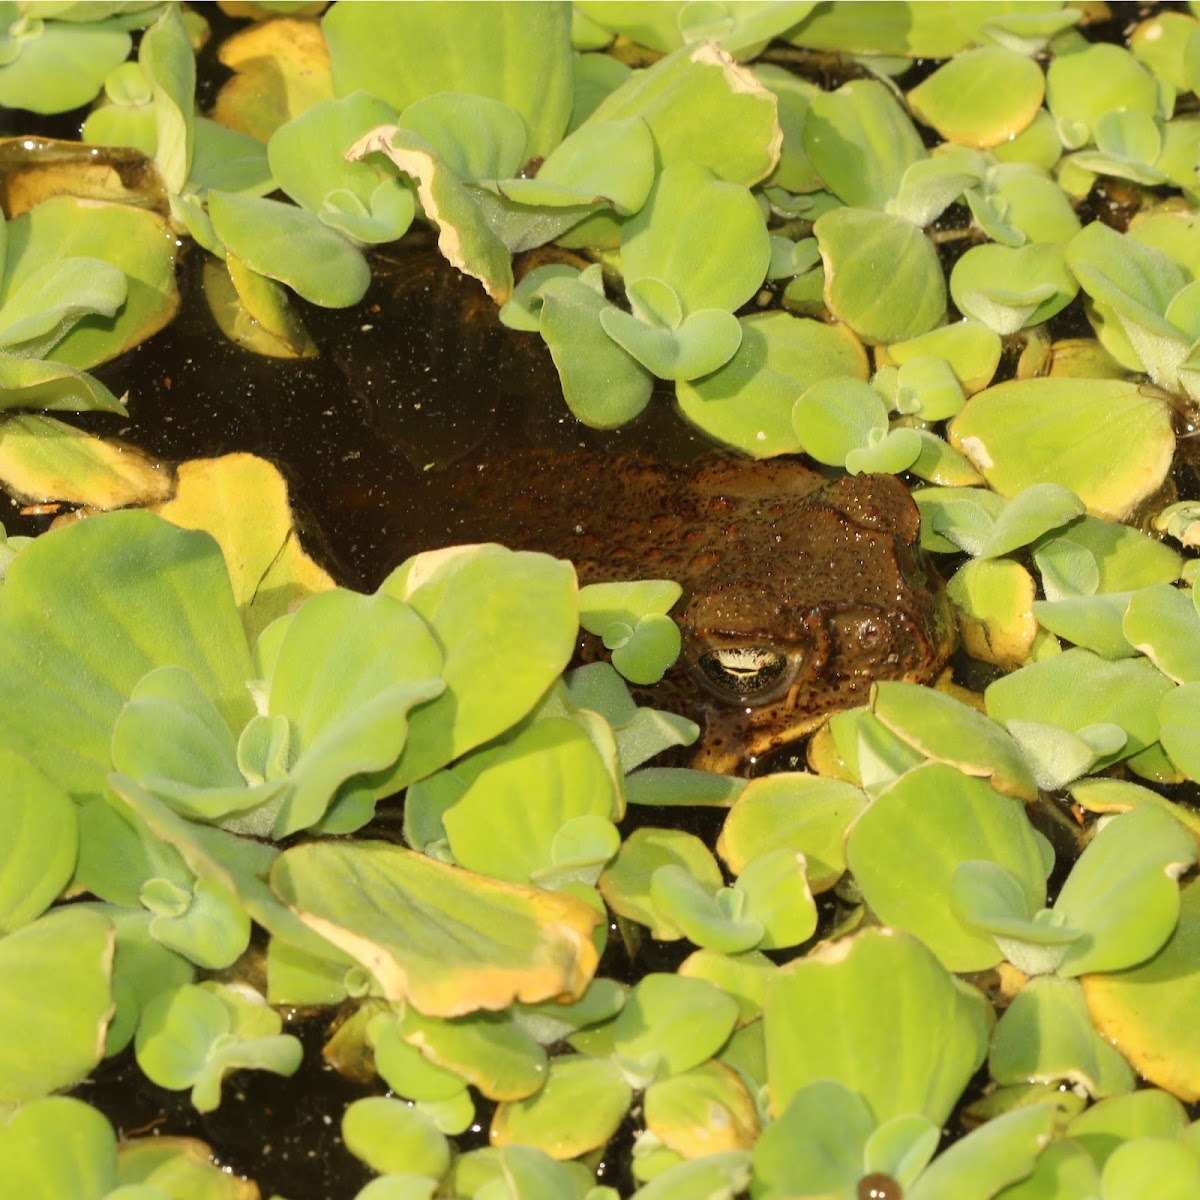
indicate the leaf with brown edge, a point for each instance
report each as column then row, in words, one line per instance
column 447, row 940
column 464, row 237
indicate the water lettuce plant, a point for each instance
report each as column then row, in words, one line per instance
column 955, row 242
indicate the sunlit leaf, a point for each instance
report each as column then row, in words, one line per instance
column 58, row 1017
column 506, row 623
column 242, row 501
column 909, row 301
column 902, row 1007
column 403, row 53
column 981, row 98
column 264, row 233
column 860, row 141
column 1109, row 441
column 38, row 843
column 748, row 402
column 449, row 941
column 1144, row 1010
column 935, row 818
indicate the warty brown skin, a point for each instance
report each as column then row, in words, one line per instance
column 823, row 580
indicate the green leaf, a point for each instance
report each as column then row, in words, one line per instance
column 1107, row 440
column 492, row 1051
column 716, row 920
column 1002, row 1152
column 57, row 1018
column 903, row 1008
column 466, row 237
column 1137, row 281
column 650, row 650
column 670, row 1024
column 1091, row 556
column 1092, row 80
column 227, row 159
column 608, row 163
column 166, row 55
column 949, row 731
column 506, row 623
column 450, row 941
column 39, row 312
column 1045, row 1035
column 571, row 325
column 83, row 1165
column 626, row 882
column 816, row 1145
column 981, row 98
column 703, row 109
column 926, row 386
column 390, row 1136
column 1173, row 1168
column 1143, row 1011
column 703, row 237
column 1076, row 689
column 476, row 138
column 806, row 814
column 212, row 929
column 348, row 669
column 1123, row 891
column 264, row 235
column 1011, row 288
column 55, row 66
column 521, row 795
column 1162, row 622
column 196, row 1034
column 748, row 402
column 136, row 242
column 1178, row 714
column 404, row 53
column 909, row 301
column 726, row 1173
column 43, row 459
column 91, row 609
column 932, row 819
column 307, row 159
column 861, row 142
column 577, row 1110
column 833, row 417
column 930, row 185
column 172, row 739
column 39, row 838
column 778, row 897
column 704, row 341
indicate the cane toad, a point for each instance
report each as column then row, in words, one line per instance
column 798, row 591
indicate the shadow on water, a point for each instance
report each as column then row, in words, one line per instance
column 413, row 388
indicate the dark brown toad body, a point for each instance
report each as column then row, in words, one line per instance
column 798, row 591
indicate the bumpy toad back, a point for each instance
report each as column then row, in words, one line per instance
column 798, row 591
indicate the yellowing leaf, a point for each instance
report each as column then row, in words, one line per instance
column 242, row 501
column 449, row 941
column 43, row 459
column 281, row 68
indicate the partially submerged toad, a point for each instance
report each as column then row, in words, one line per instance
column 798, row 591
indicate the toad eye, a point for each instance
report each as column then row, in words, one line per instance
column 744, row 674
